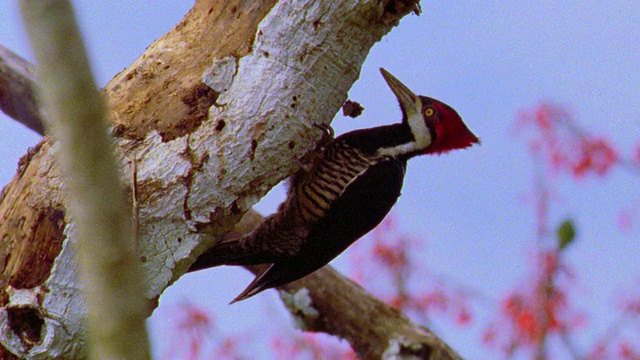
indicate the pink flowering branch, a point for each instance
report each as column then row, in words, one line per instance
column 391, row 272
column 543, row 309
column 567, row 147
column 194, row 333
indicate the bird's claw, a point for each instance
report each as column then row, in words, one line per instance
column 308, row 161
column 327, row 135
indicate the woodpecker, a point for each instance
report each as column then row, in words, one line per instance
column 346, row 191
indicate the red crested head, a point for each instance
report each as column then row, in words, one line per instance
column 435, row 127
column 450, row 132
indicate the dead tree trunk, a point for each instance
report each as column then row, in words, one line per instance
column 210, row 117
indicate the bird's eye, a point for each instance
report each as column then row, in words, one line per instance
column 429, row 112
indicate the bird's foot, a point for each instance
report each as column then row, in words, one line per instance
column 308, row 161
column 327, row 135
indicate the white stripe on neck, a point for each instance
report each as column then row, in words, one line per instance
column 419, row 130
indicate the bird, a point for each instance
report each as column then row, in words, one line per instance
column 346, row 190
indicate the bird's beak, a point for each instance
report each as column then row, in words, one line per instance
column 408, row 100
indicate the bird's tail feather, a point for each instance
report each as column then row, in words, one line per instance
column 230, row 251
column 221, row 254
column 259, row 284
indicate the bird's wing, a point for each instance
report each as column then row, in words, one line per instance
column 363, row 205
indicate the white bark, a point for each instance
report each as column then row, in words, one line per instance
column 298, row 74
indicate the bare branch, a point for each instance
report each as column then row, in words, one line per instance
column 374, row 329
column 17, row 90
column 328, row 302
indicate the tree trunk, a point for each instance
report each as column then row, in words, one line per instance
column 206, row 121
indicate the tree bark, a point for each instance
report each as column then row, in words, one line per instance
column 210, row 117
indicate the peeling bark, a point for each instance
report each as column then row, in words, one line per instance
column 203, row 155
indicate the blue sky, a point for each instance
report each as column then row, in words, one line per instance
column 487, row 60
